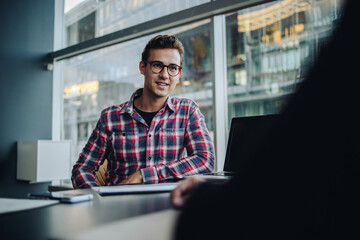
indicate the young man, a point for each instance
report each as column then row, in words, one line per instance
column 146, row 138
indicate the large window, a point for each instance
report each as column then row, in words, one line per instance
column 268, row 49
column 105, row 77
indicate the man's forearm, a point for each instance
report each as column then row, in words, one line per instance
column 190, row 165
column 83, row 178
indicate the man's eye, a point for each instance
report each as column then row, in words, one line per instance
column 157, row 65
column 173, row 67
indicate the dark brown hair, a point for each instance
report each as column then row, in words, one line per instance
column 163, row 41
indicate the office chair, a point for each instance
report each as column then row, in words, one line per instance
column 100, row 176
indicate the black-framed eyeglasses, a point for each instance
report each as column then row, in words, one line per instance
column 157, row 67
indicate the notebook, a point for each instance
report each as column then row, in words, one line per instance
column 242, row 131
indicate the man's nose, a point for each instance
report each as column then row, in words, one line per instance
column 164, row 73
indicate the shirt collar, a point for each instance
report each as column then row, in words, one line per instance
column 129, row 106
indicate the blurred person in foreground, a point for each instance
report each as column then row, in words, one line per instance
column 303, row 181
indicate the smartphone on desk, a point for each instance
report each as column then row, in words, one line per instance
column 65, row 197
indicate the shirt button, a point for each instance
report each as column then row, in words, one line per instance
column 149, row 135
column 149, row 158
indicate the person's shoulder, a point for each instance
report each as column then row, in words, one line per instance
column 183, row 102
column 114, row 109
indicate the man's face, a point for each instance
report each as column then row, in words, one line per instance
column 160, row 85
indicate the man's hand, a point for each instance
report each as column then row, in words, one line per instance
column 136, row 177
column 180, row 194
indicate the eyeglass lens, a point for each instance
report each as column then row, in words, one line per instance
column 157, row 67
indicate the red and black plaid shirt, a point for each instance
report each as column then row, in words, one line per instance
column 177, row 143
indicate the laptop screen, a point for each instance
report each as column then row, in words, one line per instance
column 245, row 134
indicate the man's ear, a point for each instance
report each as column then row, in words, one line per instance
column 180, row 73
column 142, row 67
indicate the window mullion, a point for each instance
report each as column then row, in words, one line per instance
column 219, row 89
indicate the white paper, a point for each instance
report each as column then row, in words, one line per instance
column 141, row 188
column 8, row 205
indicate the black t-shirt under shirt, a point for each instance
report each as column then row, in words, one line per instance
column 147, row 116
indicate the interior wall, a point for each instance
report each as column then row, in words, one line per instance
column 27, row 30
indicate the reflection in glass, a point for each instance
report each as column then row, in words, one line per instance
column 89, row 19
column 270, row 48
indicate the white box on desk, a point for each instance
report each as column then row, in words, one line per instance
column 43, row 160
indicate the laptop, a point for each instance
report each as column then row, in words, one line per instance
column 136, row 188
column 245, row 132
